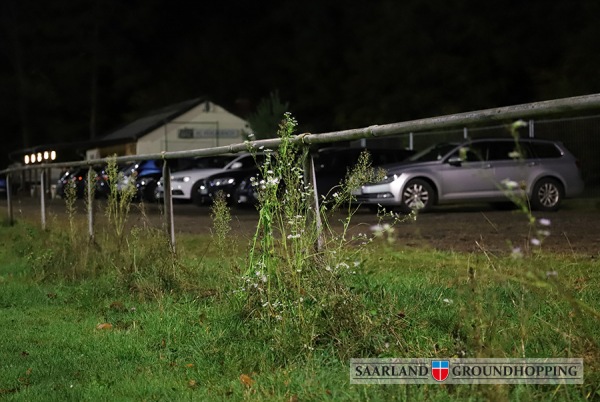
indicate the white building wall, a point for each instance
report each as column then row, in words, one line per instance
column 206, row 125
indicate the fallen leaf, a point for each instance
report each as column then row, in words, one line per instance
column 105, row 325
column 189, row 365
column 246, row 380
column 28, row 372
column 192, row 384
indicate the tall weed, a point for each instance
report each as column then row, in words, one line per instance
column 298, row 295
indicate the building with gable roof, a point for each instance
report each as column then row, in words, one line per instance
column 193, row 124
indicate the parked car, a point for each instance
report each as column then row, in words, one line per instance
column 331, row 166
column 145, row 173
column 186, row 183
column 225, row 182
column 3, row 186
column 78, row 176
column 479, row 170
column 148, row 173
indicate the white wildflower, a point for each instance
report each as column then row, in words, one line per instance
column 544, row 222
column 516, row 252
column 544, row 233
column 536, row 242
column 510, row 184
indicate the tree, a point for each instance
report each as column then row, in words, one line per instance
column 264, row 123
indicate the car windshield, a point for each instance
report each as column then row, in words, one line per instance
column 433, row 153
column 129, row 169
column 213, row 162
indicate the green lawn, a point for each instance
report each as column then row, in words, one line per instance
column 193, row 342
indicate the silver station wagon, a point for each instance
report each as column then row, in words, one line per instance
column 488, row 170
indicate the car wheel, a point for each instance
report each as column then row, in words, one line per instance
column 547, row 195
column 149, row 191
column 196, row 196
column 417, row 195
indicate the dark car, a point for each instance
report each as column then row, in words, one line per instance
column 78, row 176
column 332, row 164
column 227, row 180
column 145, row 173
column 331, row 167
column 2, row 186
column 147, row 176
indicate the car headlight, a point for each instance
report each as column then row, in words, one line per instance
column 389, row 178
column 223, row 181
column 183, row 179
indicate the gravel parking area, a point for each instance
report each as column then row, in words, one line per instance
column 573, row 229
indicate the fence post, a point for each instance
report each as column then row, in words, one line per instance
column 311, row 182
column 168, row 200
column 531, row 128
column 465, row 133
column 411, row 141
column 43, row 197
column 9, row 200
column 90, row 202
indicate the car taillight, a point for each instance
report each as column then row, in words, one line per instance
column 79, row 178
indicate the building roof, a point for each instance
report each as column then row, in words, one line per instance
column 127, row 133
column 150, row 122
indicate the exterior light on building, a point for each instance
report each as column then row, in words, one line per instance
column 32, row 158
column 39, row 156
column 46, row 155
column 27, row 159
column 52, row 155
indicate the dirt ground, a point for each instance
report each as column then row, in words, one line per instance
column 573, row 229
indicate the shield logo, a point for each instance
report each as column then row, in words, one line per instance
column 440, row 369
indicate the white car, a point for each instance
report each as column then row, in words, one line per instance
column 185, row 183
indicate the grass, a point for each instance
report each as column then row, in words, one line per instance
column 193, row 344
column 122, row 316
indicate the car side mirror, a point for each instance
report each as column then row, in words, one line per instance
column 455, row 161
column 236, row 165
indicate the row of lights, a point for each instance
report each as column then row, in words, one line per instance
column 40, row 157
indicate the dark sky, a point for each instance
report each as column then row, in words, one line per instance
column 70, row 69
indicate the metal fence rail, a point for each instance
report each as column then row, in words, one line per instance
column 456, row 122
